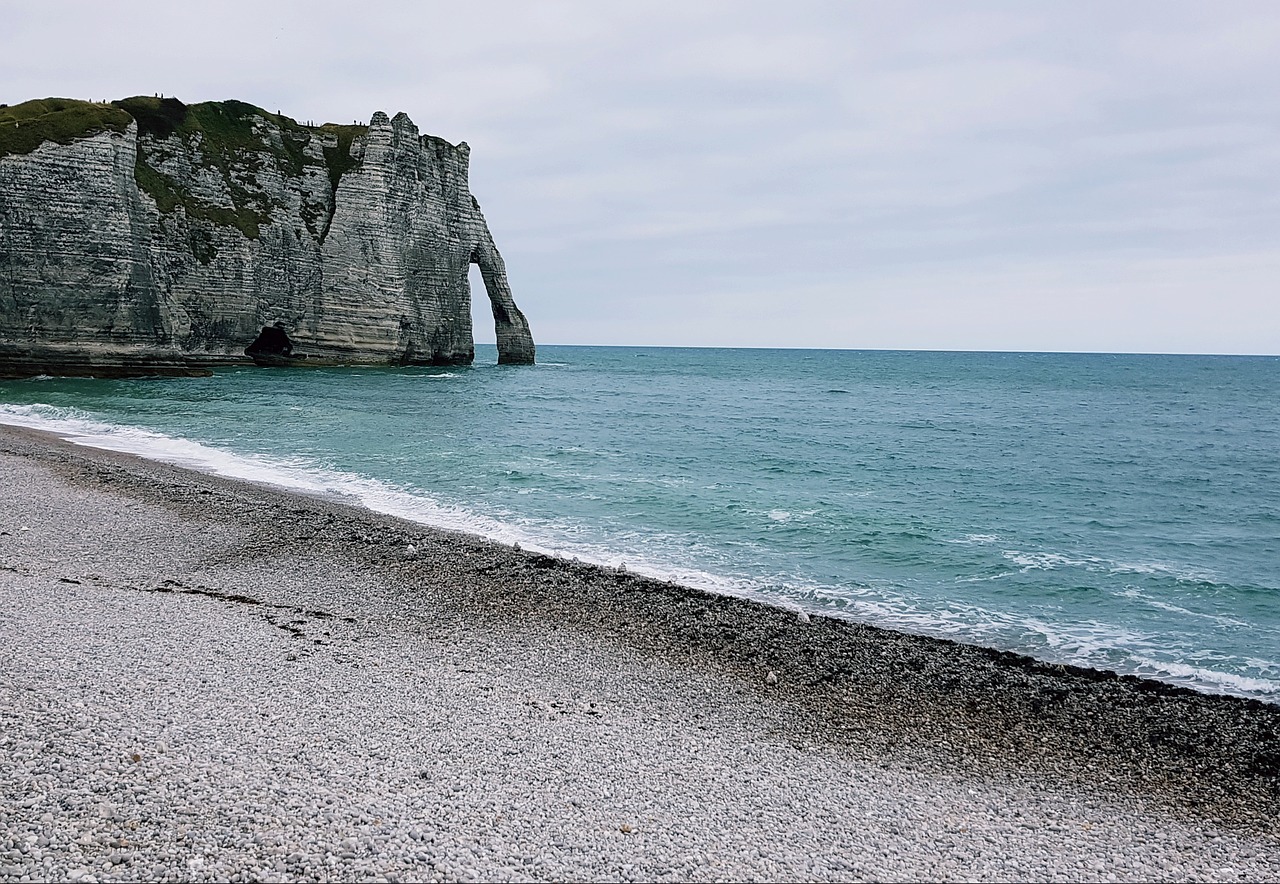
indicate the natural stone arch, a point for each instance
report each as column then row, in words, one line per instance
column 515, row 343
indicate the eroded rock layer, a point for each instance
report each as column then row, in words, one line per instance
column 148, row 236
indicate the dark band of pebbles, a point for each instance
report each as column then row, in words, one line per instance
column 641, row 668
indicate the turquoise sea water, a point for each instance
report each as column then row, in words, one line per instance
column 1120, row 512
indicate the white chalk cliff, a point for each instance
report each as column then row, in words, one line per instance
column 148, row 236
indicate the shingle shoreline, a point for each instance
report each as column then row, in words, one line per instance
column 700, row 735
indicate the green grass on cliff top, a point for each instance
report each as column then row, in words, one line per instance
column 227, row 143
column 227, row 137
column 26, row 126
column 225, row 125
column 230, row 143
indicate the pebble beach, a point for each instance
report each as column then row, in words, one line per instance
column 206, row 679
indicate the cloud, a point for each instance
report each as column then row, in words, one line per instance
column 1176, row 303
column 746, row 56
column 910, row 174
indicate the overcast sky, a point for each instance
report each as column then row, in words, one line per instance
column 1006, row 176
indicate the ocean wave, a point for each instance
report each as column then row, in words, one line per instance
column 1220, row 619
column 1092, row 644
column 666, row 557
column 987, row 577
column 1051, row 561
column 1046, row 561
column 1209, row 680
column 293, row 474
column 1180, row 573
column 302, row 475
column 974, row 539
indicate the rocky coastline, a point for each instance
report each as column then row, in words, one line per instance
column 212, row 680
column 150, row 237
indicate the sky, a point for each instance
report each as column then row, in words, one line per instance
column 1083, row 176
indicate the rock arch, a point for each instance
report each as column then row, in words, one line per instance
column 515, row 342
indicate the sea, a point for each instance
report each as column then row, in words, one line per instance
column 1120, row 512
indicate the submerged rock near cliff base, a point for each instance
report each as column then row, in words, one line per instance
column 146, row 236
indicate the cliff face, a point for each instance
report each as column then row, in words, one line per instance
column 157, row 237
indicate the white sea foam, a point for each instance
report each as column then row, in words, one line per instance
column 1108, row 646
column 1220, row 619
column 987, row 578
column 1049, row 561
column 1092, row 644
column 1210, row 680
column 294, row 474
column 1046, row 561
column 298, row 474
column 1266, row 668
column 974, row 539
column 1159, row 569
column 1088, row 644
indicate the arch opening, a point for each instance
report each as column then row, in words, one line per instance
column 511, row 329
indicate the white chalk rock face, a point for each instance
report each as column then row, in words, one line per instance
column 162, row 238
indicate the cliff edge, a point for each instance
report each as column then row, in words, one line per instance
column 146, row 236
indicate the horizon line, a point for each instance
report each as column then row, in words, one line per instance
column 910, row 350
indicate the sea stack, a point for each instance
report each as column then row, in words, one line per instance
column 146, row 236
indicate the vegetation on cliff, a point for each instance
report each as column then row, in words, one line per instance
column 26, row 126
column 230, row 138
column 338, row 156
column 228, row 135
column 180, row 231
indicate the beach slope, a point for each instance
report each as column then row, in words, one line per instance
column 210, row 680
